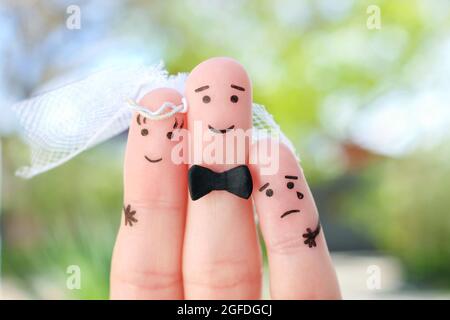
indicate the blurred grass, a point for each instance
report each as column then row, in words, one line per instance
column 68, row 216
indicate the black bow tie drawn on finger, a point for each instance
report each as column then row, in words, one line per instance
column 237, row 181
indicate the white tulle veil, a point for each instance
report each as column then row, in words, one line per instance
column 61, row 123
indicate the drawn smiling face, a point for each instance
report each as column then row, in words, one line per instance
column 153, row 138
column 145, row 131
column 219, row 94
column 148, row 157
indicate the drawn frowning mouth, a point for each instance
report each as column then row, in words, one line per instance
column 222, row 131
column 289, row 212
column 151, row 160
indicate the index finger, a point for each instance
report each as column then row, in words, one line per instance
column 147, row 256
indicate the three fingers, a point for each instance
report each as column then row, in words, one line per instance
column 170, row 246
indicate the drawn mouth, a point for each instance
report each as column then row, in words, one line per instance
column 222, row 131
column 289, row 212
column 151, row 160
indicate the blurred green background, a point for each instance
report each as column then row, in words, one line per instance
column 367, row 108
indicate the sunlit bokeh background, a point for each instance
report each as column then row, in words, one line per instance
column 367, row 109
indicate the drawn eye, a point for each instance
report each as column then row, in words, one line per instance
column 290, row 185
column 300, row 195
column 234, row 98
column 269, row 192
column 169, row 135
column 206, row 99
column 144, row 132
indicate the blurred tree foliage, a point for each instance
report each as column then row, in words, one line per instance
column 403, row 204
column 299, row 54
column 66, row 217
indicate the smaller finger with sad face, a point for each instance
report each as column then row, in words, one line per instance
column 299, row 262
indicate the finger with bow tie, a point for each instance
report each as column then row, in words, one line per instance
column 221, row 254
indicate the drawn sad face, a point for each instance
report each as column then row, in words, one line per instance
column 283, row 193
column 268, row 190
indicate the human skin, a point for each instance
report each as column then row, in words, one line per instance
column 221, row 255
column 299, row 269
column 146, row 261
column 208, row 248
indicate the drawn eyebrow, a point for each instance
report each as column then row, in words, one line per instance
column 291, row 177
column 144, row 119
column 138, row 119
column 175, row 125
column 237, row 87
column 263, row 187
column 201, row 88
